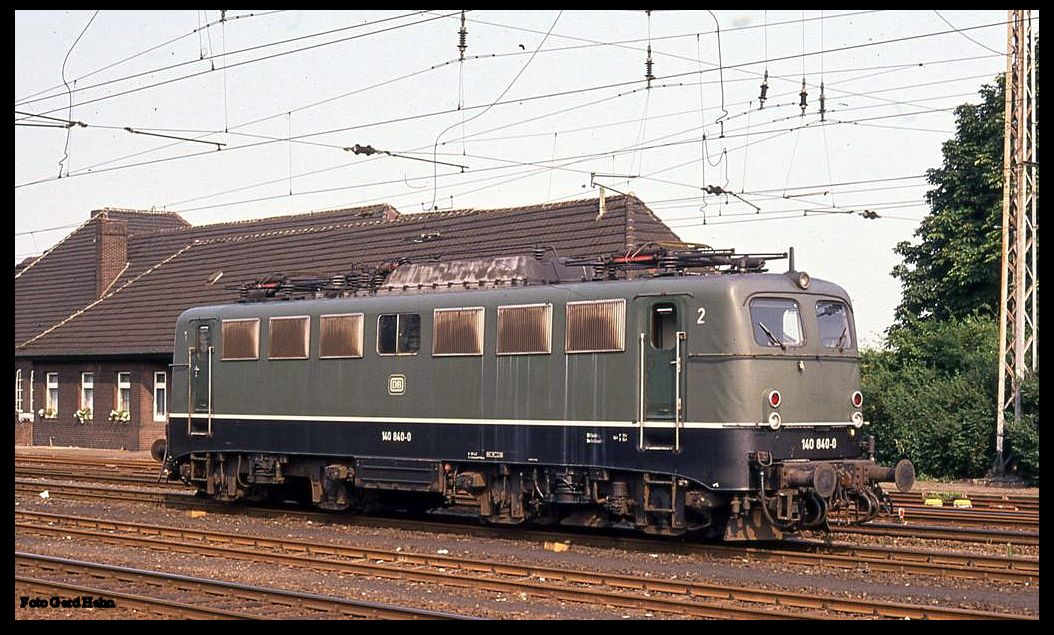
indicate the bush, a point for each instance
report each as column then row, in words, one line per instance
column 930, row 396
column 1022, row 439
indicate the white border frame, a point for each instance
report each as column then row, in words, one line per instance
column 377, row 338
column 164, row 374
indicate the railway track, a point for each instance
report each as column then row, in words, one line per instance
column 810, row 553
column 1009, row 502
column 168, row 594
column 677, row 597
column 990, row 511
column 912, row 528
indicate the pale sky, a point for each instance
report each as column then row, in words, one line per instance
column 548, row 98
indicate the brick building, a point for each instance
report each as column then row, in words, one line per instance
column 94, row 314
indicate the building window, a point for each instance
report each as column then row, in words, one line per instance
column 32, row 381
column 525, row 329
column 51, row 400
column 87, row 391
column 399, row 334
column 340, row 335
column 596, row 326
column 160, row 396
column 124, row 392
column 241, row 339
column 457, row 331
column 18, row 390
column 288, row 337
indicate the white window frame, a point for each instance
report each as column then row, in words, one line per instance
column 52, row 383
column 123, row 385
column 398, row 318
column 18, row 390
column 161, row 415
column 32, row 379
column 87, row 385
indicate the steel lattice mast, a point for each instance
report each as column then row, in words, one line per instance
column 1018, row 306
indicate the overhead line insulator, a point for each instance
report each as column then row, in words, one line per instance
column 462, row 38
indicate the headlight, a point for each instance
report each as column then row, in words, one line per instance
column 775, row 421
column 858, row 419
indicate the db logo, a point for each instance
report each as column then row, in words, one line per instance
column 396, row 384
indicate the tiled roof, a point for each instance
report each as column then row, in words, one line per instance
column 168, row 270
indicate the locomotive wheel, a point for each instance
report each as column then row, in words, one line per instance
column 157, row 450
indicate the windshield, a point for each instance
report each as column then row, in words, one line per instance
column 832, row 318
column 776, row 322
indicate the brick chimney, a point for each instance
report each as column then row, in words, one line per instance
column 111, row 251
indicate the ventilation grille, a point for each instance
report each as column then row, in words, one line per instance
column 595, row 327
column 288, row 338
column 525, row 330
column 241, row 339
column 340, row 335
column 458, row 332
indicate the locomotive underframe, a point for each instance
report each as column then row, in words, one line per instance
column 787, row 497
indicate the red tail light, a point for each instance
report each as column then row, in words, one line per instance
column 775, row 399
column 857, row 399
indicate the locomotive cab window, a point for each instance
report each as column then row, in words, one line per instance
column 596, row 326
column 288, row 337
column 457, row 331
column 832, row 318
column 663, row 326
column 776, row 322
column 398, row 334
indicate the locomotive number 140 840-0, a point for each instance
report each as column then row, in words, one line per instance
column 819, row 443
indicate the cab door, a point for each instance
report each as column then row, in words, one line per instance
column 661, row 343
column 200, row 355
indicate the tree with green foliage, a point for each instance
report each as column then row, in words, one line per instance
column 954, row 270
column 930, row 395
column 931, row 390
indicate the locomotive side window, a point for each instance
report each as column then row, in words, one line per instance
column 596, row 327
column 398, row 334
column 241, row 339
column 525, row 330
column 776, row 322
column 663, row 326
column 457, row 331
column 833, row 320
column 288, row 337
column 340, row 335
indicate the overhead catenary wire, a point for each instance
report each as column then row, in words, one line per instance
column 577, row 158
column 251, row 61
column 562, row 93
column 550, row 172
column 69, row 130
column 503, row 93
